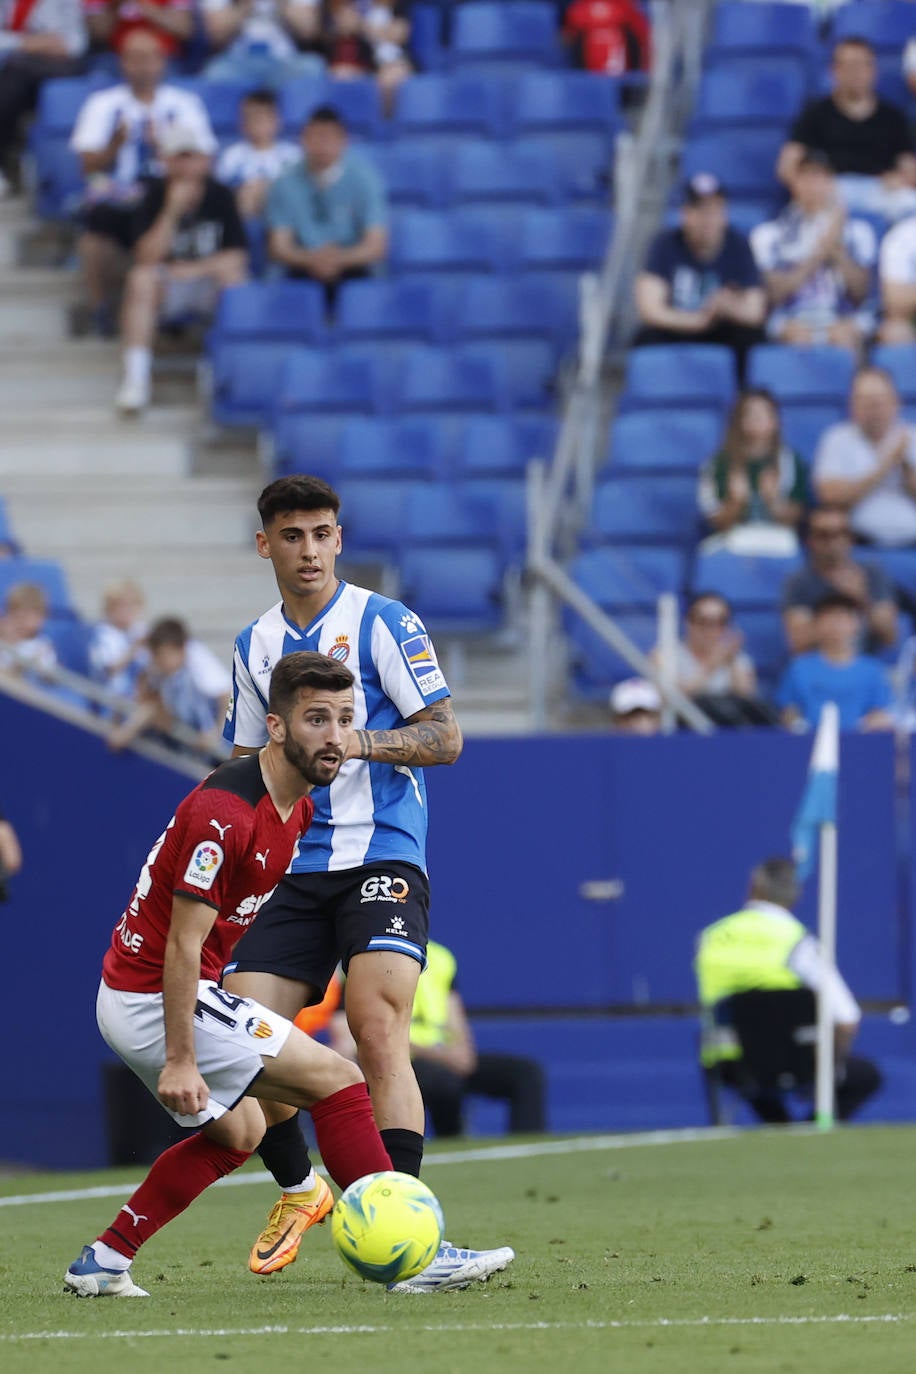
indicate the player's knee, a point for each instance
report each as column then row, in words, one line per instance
column 345, row 1074
column 142, row 281
column 382, row 1043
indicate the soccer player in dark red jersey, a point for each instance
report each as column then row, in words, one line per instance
column 205, row 1053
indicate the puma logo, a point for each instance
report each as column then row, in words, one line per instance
column 262, row 858
column 221, row 828
column 131, row 1213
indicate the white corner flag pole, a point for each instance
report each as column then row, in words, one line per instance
column 825, row 759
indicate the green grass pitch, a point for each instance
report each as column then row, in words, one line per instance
column 763, row 1251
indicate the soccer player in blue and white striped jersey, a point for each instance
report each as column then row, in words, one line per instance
column 357, row 892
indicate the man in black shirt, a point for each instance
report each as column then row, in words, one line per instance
column 189, row 243
column 865, row 138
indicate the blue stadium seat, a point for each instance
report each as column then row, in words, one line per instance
column 70, row 638
column 886, row 24
column 270, row 310
column 765, row 642
column 380, row 308
column 222, row 101
column 746, row 581
column 819, row 373
column 628, row 579
column 59, row 103
column 761, row 29
column 899, row 564
column 349, row 380
column 502, row 445
column 59, row 178
column 569, row 239
column 306, row 443
column 422, row 241
column 47, row 574
column 381, row 447
column 744, row 159
column 358, row 103
column 585, row 162
column 484, row 171
column 520, row 31
column 745, row 213
column 679, row 375
column 460, row 102
column 426, row 36
column 372, row 516
column 414, row 171
column 449, row 380
column 504, row 499
column 547, row 101
column 803, row 425
column 752, row 93
column 8, row 540
column 643, row 510
column 246, row 377
column 545, row 305
column 664, row 441
column 596, row 667
column 524, row 369
column 443, row 514
column 900, row 362
column 457, row 591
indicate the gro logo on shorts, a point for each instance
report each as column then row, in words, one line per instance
column 384, row 889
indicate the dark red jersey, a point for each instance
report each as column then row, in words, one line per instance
column 227, row 847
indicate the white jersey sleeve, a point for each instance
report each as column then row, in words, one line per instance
column 246, row 718
column 806, row 961
column 96, row 122
column 403, row 652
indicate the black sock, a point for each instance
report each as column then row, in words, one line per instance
column 285, row 1152
column 405, row 1149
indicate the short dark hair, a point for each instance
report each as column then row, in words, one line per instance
column 168, row 633
column 299, row 492
column 326, row 114
column 836, row 601
column 853, row 40
column 262, row 96
column 775, row 880
column 305, row 669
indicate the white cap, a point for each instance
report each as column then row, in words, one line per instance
column 635, row 694
column 183, row 138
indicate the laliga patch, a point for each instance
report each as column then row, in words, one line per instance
column 205, row 863
column 421, row 660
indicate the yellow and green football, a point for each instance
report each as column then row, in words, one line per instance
column 387, row 1227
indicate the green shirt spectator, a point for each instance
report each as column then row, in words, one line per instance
column 755, row 478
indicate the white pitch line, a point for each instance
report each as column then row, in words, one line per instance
column 482, row 1155
column 661, row 1323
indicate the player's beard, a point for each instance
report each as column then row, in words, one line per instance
column 312, row 766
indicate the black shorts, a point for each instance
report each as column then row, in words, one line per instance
column 314, row 921
column 112, row 221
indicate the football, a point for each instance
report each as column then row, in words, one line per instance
column 387, row 1226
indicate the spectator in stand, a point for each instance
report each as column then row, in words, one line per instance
column 897, row 272
column 10, row 856
column 832, row 568
column 835, row 671
column 711, row 666
column 636, row 707
column 190, row 245
column 117, row 136
column 609, row 36
column 387, row 27
column 264, row 42
column 755, row 478
column 700, row 283
column 38, row 41
column 816, row 262
column 117, row 647
column 252, row 165
column 24, row 647
column 184, row 683
column 112, row 21
column 865, row 138
column 867, row 465
column 328, row 217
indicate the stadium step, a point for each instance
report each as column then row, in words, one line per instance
column 89, row 440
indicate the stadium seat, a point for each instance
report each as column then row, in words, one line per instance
column 745, row 213
column 458, row 590
column 518, row 307
column 744, row 159
column 505, row 501
column 449, row 380
column 746, row 581
column 520, row 31
column 358, row 102
column 640, row 510
column 819, row 374
column 381, row 447
column 596, row 667
column 422, row 241
column 483, row 171
column 222, row 101
column 760, row 29
column 270, row 310
column 70, row 638
column 576, row 238
column 679, row 375
column 899, row 564
column 414, row 171
column 372, row 517
column 246, row 377
column 459, row 102
column 524, row 368
column 59, row 103
column 557, row 101
column 48, row 575
column 501, row 445
column 444, row 514
column 59, row 179
column 585, row 162
column 900, row 362
column 306, row 443
column 765, row 642
column 886, row 24
column 803, row 425
column 348, row 380
column 628, row 579
column 664, row 441
column 426, row 36
column 747, row 94
column 379, row 308
column 8, row 540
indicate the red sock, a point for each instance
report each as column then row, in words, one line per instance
column 348, row 1137
column 178, row 1176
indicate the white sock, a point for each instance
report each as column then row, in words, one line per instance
column 138, row 365
column 108, row 1258
column 308, row 1183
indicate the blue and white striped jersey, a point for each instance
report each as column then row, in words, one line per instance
column 372, row 811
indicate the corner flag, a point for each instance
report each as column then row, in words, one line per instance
column 818, row 803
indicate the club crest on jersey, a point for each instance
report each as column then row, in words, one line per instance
column 340, row 649
column 265, row 667
column 258, row 1029
column 204, row 864
column 421, row 660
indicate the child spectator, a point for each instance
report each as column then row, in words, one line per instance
column 24, row 647
column 116, row 646
column 264, row 42
column 183, row 683
column 835, row 671
column 252, row 165
column 755, row 478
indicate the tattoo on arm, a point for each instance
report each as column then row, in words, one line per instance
column 431, row 737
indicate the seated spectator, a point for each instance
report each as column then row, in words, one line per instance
column 897, row 273
column 866, row 139
column 609, row 36
column 190, row 245
column 10, row 856
column 183, row 683
column 252, row 165
column 867, row 465
column 636, row 707
column 816, row 263
column 24, row 647
column 117, row 136
column 38, row 42
column 755, row 478
column 117, row 648
column 265, row 42
column 711, row 667
column 700, row 283
column 328, row 216
column 831, row 568
column 362, row 37
column 834, row 670
column 111, row 21
column 345, row 45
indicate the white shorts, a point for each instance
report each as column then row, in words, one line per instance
column 231, row 1037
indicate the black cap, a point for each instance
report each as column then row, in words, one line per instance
column 701, row 186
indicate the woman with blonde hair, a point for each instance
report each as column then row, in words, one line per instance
column 755, row 478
